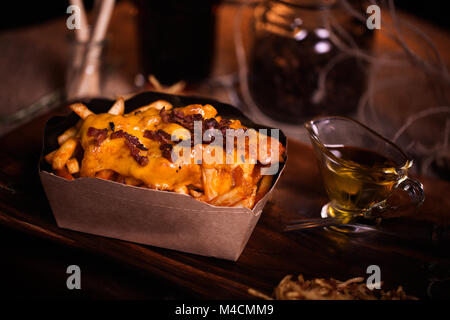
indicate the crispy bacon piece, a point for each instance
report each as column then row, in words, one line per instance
column 164, row 138
column 210, row 124
column 99, row 135
column 128, row 137
column 142, row 160
column 133, row 144
column 177, row 116
column 166, row 151
column 187, row 121
column 164, row 115
column 159, row 135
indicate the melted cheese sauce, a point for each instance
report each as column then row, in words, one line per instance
column 159, row 173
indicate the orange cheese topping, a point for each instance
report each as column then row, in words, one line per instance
column 160, row 173
column 113, row 154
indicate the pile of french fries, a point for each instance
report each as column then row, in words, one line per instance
column 66, row 162
column 62, row 159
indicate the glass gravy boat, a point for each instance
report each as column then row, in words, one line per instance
column 360, row 169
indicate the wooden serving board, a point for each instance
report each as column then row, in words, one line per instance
column 270, row 253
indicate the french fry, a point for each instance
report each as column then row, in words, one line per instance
column 119, row 178
column 195, row 193
column 79, row 124
column 154, row 82
column 49, row 157
column 210, row 179
column 176, row 88
column 64, row 174
column 182, row 190
column 231, row 197
column 66, row 135
column 238, row 175
column 73, row 166
column 248, row 202
column 118, row 107
column 64, row 153
column 132, row 181
column 81, row 110
column 105, row 174
column 158, row 105
column 264, row 187
column 235, row 184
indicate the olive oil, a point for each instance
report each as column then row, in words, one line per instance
column 358, row 179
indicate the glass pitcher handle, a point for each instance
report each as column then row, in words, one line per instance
column 414, row 188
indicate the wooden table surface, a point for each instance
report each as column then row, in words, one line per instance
column 270, row 253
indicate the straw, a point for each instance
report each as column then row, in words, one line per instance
column 87, row 84
column 81, row 34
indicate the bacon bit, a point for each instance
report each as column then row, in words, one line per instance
column 224, row 124
column 166, row 151
column 142, row 160
column 159, row 135
column 187, row 121
column 99, row 135
column 211, row 123
column 166, row 146
column 150, row 134
column 177, row 116
column 164, row 138
column 128, row 137
column 133, row 144
column 164, row 115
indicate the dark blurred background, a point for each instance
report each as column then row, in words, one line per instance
column 19, row 15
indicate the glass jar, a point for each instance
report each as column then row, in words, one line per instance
column 296, row 71
column 176, row 39
column 85, row 69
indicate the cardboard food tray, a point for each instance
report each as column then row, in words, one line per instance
column 159, row 218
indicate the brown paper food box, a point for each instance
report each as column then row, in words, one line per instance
column 158, row 218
